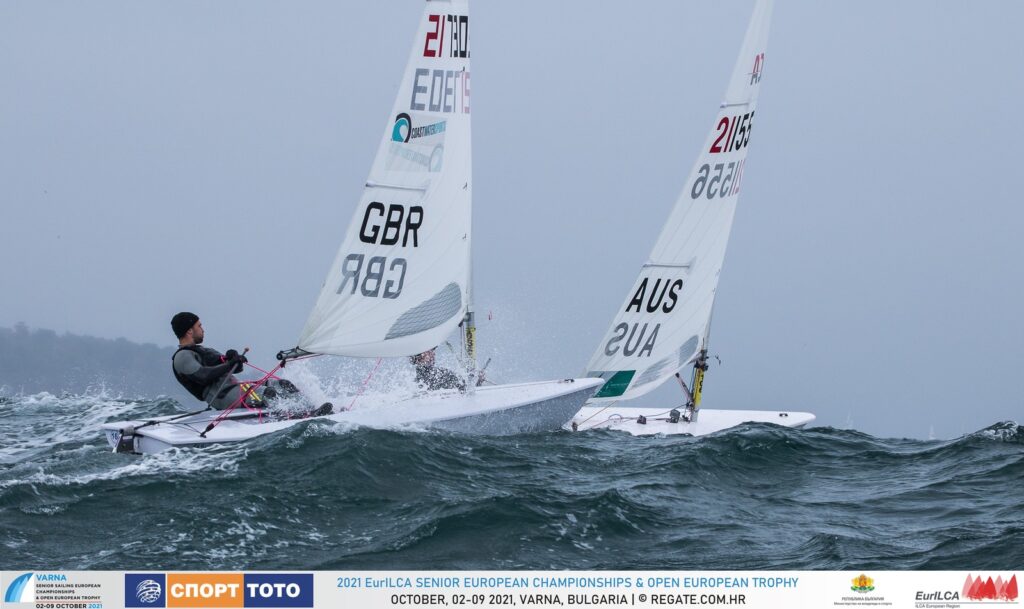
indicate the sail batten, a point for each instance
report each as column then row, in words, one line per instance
column 396, row 186
column 657, row 331
column 399, row 283
column 666, row 265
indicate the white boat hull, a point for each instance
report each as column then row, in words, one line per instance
column 494, row 410
column 706, row 422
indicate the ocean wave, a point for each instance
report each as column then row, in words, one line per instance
column 327, row 495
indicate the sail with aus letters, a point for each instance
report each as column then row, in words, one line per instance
column 664, row 323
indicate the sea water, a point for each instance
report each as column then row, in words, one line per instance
column 327, row 496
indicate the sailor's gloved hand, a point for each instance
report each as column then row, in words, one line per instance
column 234, row 356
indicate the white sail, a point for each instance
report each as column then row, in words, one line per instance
column 663, row 322
column 399, row 284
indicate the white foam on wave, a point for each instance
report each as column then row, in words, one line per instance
column 1004, row 431
column 38, row 422
column 177, row 462
column 326, row 428
column 227, row 541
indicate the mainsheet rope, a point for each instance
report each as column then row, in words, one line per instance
column 250, row 387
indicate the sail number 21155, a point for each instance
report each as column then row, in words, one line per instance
column 733, row 133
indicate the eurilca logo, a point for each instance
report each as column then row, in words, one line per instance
column 979, row 589
column 21, row 590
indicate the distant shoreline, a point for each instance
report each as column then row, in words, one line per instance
column 34, row 360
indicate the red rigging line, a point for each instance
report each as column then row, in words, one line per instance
column 365, row 383
column 249, row 389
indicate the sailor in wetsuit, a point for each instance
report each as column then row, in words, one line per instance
column 432, row 377
column 208, row 375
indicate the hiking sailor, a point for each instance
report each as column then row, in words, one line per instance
column 209, row 376
column 433, row 377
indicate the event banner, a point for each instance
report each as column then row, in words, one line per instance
column 522, row 589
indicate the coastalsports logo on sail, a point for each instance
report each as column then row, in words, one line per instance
column 402, row 129
column 21, row 590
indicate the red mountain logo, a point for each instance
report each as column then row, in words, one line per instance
column 980, row 589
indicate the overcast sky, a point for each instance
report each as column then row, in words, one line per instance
column 160, row 156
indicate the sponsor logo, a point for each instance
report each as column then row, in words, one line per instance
column 863, row 584
column 403, row 131
column 144, row 590
column 204, row 590
column 279, row 590
column 21, row 590
column 983, row 588
column 866, row 594
column 225, row 590
column 980, row 590
column 149, row 591
column 416, row 148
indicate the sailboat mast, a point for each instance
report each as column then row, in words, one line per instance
column 469, row 321
column 469, row 347
column 700, row 365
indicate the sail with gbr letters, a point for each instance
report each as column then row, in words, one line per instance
column 663, row 324
column 400, row 281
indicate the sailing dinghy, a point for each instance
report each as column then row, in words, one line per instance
column 664, row 324
column 400, row 283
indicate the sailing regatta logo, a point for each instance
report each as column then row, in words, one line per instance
column 986, row 589
column 981, row 590
column 863, row 584
column 21, row 590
